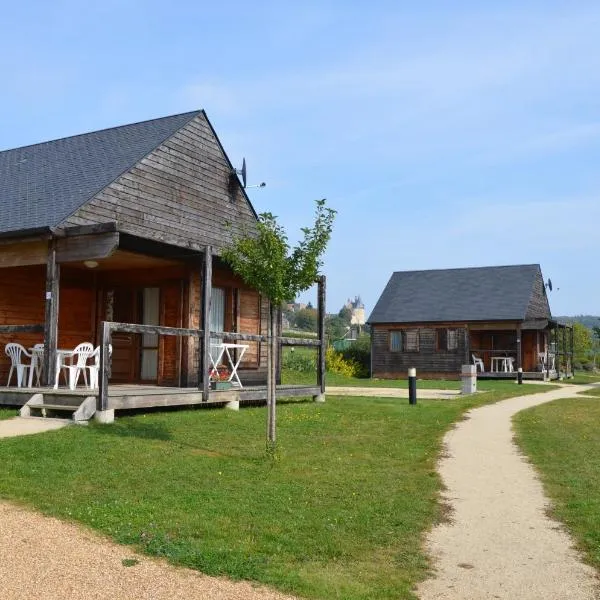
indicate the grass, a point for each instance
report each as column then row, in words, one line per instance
column 592, row 392
column 562, row 440
column 583, row 378
column 335, row 379
column 338, row 512
column 8, row 413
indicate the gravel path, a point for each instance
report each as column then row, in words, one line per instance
column 45, row 558
column 499, row 542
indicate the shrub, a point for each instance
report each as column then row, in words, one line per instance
column 336, row 363
column 360, row 353
column 300, row 361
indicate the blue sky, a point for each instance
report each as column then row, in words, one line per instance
column 444, row 134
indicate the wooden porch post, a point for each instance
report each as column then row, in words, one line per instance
column 519, row 357
column 467, row 346
column 204, row 358
column 51, row 319
column 105, row 359
column 321, row 332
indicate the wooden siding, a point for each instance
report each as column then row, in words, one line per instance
column 431, row 363
column 22, row 302
column 427, row 360
column 83, row 305
column 538, row 307
column 181, row 193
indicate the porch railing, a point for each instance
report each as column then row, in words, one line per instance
column 111, row 327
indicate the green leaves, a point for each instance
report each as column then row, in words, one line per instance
column 265, row 261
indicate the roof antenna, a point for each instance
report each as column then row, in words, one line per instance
column 548, row 284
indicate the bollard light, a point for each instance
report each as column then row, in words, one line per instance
column 520, row 375
column 412, row 386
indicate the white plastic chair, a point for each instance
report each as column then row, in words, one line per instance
column 15, row 352
column 77, row 362
column 38, row 359
column 94, row 368
column 478, row 362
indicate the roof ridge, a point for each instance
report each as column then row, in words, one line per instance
column 192, row 113
column 468, row 268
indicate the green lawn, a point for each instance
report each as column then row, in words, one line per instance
column 562, row 439
column 583, row 378
column 338, row 512
column 8, row 413
column 334, row 379
column 592, row 392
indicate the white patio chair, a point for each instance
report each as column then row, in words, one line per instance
column 38, row 354
column 15, row 352
column 478, row 362
column 75, row 363
column 542, row 357
column 94, row 368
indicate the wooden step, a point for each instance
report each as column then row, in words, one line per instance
column 54, row 407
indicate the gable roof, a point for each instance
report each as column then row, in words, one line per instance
column 44, row 183
column 471, row 294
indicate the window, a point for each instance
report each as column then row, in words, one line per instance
column 447, row 339
column 411, row 343
column 452, row 339
column 395, row 341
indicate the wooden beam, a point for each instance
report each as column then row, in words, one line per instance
column 152, row 329
column 51, row 314
column 105, row 360
column 76, row 230
column 519, row 346
column 204, row 362
column 321, row 333
column 24, row 254
column 86, row 247
column 21, row 329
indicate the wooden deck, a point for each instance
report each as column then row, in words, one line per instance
column 533, row 375
column 123, row 397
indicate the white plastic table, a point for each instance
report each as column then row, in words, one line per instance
column 221, row 350
column 501, row 363
column 38, row 355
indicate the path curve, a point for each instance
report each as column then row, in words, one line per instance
column 499, row 542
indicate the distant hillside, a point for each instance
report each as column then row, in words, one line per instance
column 587, row 320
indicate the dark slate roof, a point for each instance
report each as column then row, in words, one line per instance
column 474, row 294
column 43, row 184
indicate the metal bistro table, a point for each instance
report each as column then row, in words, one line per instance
column 225, row 350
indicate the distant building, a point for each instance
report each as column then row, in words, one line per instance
column 357, row 308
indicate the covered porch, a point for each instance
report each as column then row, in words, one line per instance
column 542, row 348
column 155, row 312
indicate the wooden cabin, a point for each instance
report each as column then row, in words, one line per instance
column 495, row 317
column 125, row 226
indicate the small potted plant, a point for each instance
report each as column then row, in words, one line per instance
column 219, row 378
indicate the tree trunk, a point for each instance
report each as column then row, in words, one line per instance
column 271, row 374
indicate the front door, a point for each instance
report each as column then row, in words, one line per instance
column 135, row 357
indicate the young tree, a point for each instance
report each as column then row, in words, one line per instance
column 264, row 260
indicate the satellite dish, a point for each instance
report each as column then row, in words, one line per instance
column 549, row 284
column 242, row 172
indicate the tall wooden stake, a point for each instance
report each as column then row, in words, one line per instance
column 323, row 342
column 51, row 322
column 271, row 374
column 204, row 358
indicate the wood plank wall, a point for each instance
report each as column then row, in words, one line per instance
column 427, row 360
column 538, row 307
column 82, row 308
column 181, row 193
